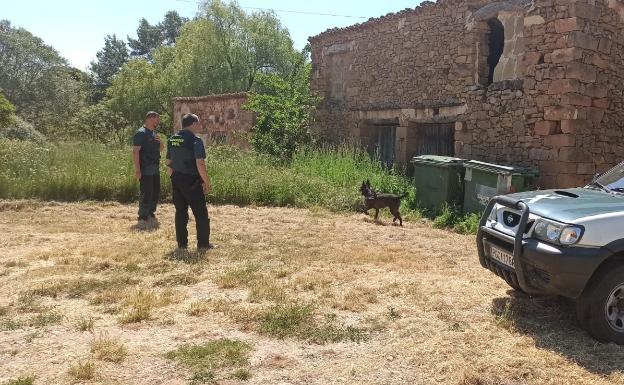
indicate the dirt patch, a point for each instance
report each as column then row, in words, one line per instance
column 425, row 312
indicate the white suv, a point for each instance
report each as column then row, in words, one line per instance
column 564, row 242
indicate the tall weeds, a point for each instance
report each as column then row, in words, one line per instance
column 326, row 177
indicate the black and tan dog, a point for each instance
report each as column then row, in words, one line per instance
column 374, row 200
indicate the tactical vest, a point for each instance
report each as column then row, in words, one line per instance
column 182, row 154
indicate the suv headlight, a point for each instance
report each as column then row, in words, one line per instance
column 554, row 232
column 493, row 214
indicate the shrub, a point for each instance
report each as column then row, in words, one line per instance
column 7, row 112
column 468, row 224
column 284, row 110
column 100, row 124
column 109, row 349
column 85, row 324
column 82, row 371
column 20, row 129
column 450, row 218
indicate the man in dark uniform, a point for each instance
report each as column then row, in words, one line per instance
column 189, row 179
column 146, row 158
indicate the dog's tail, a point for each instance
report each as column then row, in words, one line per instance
column 403, row 196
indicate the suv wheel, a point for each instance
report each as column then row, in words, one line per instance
column 512, row 281
column 601, row 307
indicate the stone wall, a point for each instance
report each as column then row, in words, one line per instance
column 409, row 60
column 222, row 118
column 600, row 129
column 556, row 103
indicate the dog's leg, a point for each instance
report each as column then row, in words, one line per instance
column 397, row 215
column 376, row 214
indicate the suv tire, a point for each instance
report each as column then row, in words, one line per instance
column 600, row 309
column 510, row 281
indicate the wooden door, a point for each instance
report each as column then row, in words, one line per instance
column 431, row 139
column 381, row 141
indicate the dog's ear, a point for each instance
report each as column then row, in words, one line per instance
column 368, row 182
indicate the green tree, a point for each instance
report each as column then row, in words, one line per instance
column 64, row 91
column 149, row 37
column 37, row 80
column 7, row 112
column 223, row 50
column 20, row 129
column 135, row 91
column 171, row 27
column 250, row 43
column 24, row 60
column 108, row 63
column 99, row 123
column 284, row 109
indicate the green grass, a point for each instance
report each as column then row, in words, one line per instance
column 241, row 374
column 450, row 218
column 203, row 377
column 79, row 287
column 297, row 321
column 327, row 177
column 205, row 360
column 30, row 380
column 284, row 321
column 239, row 276
column 10, row 325
column 65, row 172
column 45, row 319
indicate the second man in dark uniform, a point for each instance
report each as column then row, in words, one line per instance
column 187, row 166
column 146, row 158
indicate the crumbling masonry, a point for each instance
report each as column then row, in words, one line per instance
column 533, row 83
column 223, row 118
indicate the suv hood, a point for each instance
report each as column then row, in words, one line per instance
column 571, row 205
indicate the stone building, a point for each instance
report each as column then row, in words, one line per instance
column 222, row 118
column 535, row 83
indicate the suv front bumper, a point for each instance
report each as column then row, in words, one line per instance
column 539, row 268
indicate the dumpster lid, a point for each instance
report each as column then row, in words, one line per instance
column 438, row 160
column 499, row 169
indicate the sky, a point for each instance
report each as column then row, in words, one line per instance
column 76, row 28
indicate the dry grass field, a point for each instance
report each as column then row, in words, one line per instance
column 290, row 297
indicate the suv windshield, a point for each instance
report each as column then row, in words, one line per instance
column 613, row 179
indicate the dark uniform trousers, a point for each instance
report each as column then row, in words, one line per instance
column 187, row 191
column 149, row 195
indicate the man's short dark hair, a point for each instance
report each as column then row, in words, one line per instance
column 189, row 119
column 152, row 114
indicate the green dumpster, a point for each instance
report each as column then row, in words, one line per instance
column 438, row 180
column 485, row 180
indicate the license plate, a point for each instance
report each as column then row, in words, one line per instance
column 501, row 256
